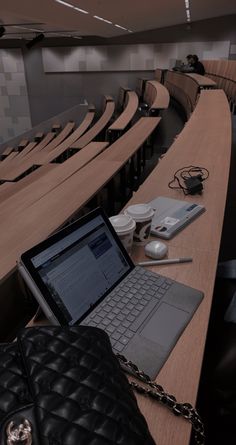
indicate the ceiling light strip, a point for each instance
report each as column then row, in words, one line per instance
column 64, row 3
column 121, row 27
column 81, row 10
column 69, row 5
column 187, row 8
column 102, row 19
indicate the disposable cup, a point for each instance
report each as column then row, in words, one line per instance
column 142, row 214
column 124, row 226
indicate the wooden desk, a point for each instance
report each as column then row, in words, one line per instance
column 45, row 141
column 16, row 162
column 205, row 141
column 128, row 144
column 57, row 174
column 22, row 144
column 158, row 74
column 8, row 159
column 223, row 72
column 140, row 87
column 156, row 95
column 183, row 88
column 7, row 151
column 99, row 126
column 131, row 106
column 108, row 98
column 56, row 127
column 26, row 150
column 61, row 136
column 203, row 81
column 51, row 211
column 121, row 97
column 39, row 156
column 39, row 136
column 6, row 191
column 44, row 157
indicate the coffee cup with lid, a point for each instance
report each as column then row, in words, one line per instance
column 142, row 214
column 124, row 226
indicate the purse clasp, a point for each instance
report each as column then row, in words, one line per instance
column 19, row 433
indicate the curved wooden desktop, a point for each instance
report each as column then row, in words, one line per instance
column 100, row 125
column 43, row 158
column 156, row 95
column 131, row 105
column 49, row 152
column 223, row 72
column 183, row 88
column 203, row 81
column 205, row 141
column 52, row 210
column 6, row 152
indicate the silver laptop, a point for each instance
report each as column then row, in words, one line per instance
column 172, row 215
column 83, row 274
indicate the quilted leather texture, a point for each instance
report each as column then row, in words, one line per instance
column 80, row 394
column 13, row 383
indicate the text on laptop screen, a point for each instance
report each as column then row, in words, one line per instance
column 80, row 268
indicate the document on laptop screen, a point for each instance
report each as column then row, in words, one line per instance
column 80, row 269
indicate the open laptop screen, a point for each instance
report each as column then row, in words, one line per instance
column 77, row 268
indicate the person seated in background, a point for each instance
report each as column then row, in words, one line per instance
column 188, row 68
column 185, row 68
column 193, row 66
column 197, row 65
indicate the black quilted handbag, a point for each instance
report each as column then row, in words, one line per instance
column 64, row 386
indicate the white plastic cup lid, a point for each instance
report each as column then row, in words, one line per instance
column 140, row 212
column 123, row 224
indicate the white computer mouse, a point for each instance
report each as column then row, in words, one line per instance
column 156, row 250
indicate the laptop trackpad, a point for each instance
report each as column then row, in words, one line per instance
column 166, row 325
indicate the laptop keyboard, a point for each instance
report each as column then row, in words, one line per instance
column 124, row 310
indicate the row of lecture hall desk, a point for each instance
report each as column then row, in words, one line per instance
column 38, row 197
column 204, row 141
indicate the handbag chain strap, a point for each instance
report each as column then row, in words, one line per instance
column 156, row 392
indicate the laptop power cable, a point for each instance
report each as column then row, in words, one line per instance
column 189, row 179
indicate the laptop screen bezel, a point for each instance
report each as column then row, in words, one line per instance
column 26, row 261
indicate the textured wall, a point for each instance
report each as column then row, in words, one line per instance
column 127, row 57
column 52, row 93
column 14, row 105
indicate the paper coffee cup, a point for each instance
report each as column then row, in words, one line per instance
column 124, row 226
column 142, row 214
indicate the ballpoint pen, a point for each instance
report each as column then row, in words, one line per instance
column 167, row 261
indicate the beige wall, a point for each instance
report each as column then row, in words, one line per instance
column 127, row 57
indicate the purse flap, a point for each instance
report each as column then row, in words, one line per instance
column 79, row 389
